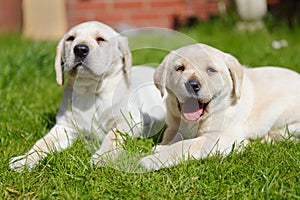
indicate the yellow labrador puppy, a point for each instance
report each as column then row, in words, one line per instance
column 103, row 95
column 214, row 104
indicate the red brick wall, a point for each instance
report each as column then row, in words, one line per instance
column 130, row 13
column 135, row 13
column 10, row 15
column 138, row 13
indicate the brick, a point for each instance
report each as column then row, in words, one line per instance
column 127, row 4
column 10, row 15
column 109, row 17
column 166, row 23
column 91, row 5
column 164, row 3
column 145, row 16
column 139, row 13
column 152, row 21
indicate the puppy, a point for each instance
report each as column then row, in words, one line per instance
column 104, row 96
column 215, row 104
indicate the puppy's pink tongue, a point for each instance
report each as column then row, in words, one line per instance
column 192, row 109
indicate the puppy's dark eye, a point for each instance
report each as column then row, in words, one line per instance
column 100, row 39
column 70, row 38
column 180, row 68
column 211, row 70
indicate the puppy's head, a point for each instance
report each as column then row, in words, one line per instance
column 200, row 80
column 91, row 49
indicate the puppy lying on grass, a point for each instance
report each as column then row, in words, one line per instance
column 103, row 92
column 214, row 104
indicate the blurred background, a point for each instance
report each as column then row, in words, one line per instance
column 49, row 19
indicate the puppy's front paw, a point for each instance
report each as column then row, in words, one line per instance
column 151, row 163
column 103, row 158
column 21, row 163
column 97, row 160
column 158, row 148
column 108, row 151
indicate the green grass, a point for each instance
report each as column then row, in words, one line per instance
column 29, row 98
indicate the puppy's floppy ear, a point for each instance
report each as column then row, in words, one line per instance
column 160, row 76
column 126, row 56
column 59, row 63
column 237, row 74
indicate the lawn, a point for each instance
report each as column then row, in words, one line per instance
column 29, row 98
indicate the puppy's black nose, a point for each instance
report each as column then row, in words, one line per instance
column 193, row 85
column 81, row 50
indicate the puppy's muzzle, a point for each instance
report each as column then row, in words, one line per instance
column 81, row 51
column 193, row 86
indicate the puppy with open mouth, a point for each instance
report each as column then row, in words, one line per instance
column 215, row 104
column 104, row 96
